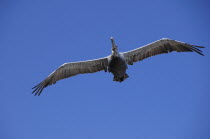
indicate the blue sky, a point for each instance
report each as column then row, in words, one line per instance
column 166, row 96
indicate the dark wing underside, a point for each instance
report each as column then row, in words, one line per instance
column 159, row 47
column 71, row 69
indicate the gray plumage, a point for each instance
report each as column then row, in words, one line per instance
column 116, row 63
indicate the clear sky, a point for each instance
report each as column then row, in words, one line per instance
column 165, row 97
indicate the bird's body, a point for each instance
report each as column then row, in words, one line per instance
column 117, row 66
column 116, row 63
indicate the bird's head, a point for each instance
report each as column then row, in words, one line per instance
column 114, row 46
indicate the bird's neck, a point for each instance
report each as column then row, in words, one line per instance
column 115, row 53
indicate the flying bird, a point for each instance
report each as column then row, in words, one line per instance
column 116, row 63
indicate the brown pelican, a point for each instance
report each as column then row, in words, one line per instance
column 116, row 63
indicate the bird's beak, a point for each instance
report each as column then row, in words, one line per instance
column 113, row 43
column 112, row 40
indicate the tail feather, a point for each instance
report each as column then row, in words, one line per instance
column 120, row 78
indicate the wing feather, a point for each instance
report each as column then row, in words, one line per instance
column 159, row 47
column 71, row 69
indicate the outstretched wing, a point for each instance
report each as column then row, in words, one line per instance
column 71, row 69
column 159, row 47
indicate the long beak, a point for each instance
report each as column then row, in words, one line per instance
column 112, row 40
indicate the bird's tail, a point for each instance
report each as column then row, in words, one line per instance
column 120, row 78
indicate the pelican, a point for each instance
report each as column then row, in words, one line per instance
column 116, row 63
